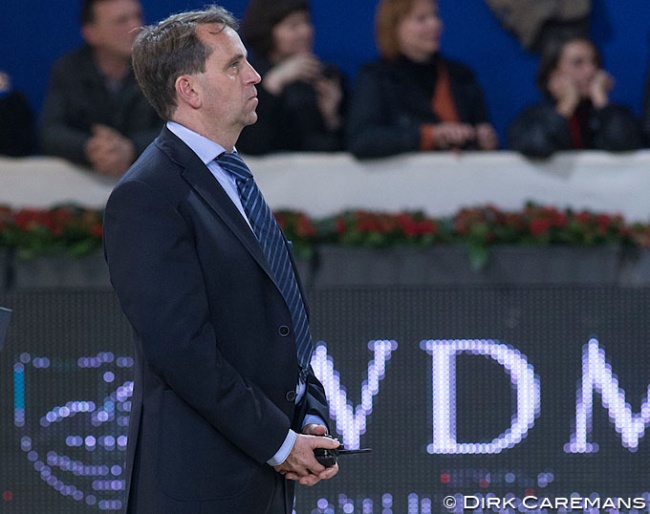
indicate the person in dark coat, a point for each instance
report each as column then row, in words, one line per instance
column 95, row 114
column 413, row 98
column 17, row 135
column 301, row 99
column 576, row 112
column 645, row 115
column 226, row 409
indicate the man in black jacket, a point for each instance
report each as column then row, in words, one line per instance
column 94, row 112
column 226, row 410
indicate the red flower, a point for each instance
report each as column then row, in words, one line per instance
column 29, row 219
column 408, row 225
column 280, row 219
column 97, row 230
column 583, row 217
column 427, row 227
column 304, row 226
column 559, row 220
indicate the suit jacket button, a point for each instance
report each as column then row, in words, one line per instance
column 291, row 396
column 284, row 330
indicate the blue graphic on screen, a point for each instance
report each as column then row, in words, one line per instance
column 78, row 448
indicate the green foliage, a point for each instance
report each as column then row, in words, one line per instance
column 78, row 231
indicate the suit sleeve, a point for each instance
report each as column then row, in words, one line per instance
column 316, row 404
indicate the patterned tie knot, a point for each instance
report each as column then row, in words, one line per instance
column 234, row 164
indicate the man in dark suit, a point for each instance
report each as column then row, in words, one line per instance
column 226, row 414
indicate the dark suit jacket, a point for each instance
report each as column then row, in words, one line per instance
column 215, row 367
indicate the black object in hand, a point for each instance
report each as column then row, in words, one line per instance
column 329, row 457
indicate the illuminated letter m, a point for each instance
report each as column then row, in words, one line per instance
column 597, row 375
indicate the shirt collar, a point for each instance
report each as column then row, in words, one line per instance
column 206, row 149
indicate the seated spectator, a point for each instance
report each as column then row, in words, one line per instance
column 17, row 136
column 94, row 112
column 576, row 112
column 413, row 98
column 646, row 110
column 301, row 99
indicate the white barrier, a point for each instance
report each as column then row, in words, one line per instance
column 437, row 183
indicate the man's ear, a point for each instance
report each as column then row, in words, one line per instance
column 88, row 33
column 186, row 91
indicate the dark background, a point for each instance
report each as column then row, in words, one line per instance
column 548, row 325
column 34, row 33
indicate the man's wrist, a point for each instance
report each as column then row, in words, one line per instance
column 307, row 429
column 284, row 451
column 312, row 419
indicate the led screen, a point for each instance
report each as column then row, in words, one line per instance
column 472, row 399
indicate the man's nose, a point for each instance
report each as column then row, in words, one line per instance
column 255, row 77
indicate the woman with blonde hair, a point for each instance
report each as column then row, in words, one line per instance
column 412, row 98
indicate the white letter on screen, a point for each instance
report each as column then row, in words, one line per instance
column 524, row 381
column 350, row 421
column 597, row 375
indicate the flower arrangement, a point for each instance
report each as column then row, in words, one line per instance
column 299, row 229
column 539, row 225
column 382, row 230
column 62, row 229
column 78, row 231
column 482, row 227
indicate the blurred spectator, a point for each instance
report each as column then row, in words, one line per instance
column 646, row 110
column 17, row 136
column 94, row 112
column 301, row 99
column 576, row 112
column 412, row 98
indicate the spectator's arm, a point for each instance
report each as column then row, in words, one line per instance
column 56, row 137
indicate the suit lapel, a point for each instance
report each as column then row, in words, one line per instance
column 199, row 178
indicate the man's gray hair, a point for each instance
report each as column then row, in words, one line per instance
column 171, row 48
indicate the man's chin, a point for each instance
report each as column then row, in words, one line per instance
column 251, row 119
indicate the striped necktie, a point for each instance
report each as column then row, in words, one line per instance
column 273, row 244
